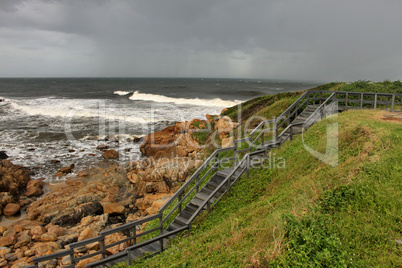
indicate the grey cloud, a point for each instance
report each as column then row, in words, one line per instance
column 321, row 40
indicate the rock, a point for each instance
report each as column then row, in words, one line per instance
column 84, row 173
column 38, row 230
column 56, row 230
column 102, row 147
column 113, row 208
column 23, row 240
column 90, row 209
column 86, row 220
column 36, row 183
column 86, row 234
column 11, row 209
column 111, row 154
column 55, row 161
column 48, row 237
column 10, row 257
column 4, row 251
column 3, row 263
column 227, row 142
column 225, row 126
column 2, row 229
column 5, row 198
column 65, row 170
column 33, row 191
column 8, row 240
column 3, row 155
column 94, row 246
column 45, row 248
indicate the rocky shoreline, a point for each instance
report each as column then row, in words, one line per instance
column 99, row 198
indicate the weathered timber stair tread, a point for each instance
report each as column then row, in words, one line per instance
column 204, row 197
column 226, row 172
column 181, row 220
column 196, row 201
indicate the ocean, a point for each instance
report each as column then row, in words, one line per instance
column 48, row 123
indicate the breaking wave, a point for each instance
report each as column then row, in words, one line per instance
column 121, row 93
column 196, row 101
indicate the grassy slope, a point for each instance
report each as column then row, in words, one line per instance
column 308, row 213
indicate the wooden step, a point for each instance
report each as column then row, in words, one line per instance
column 197, row 202
column 180, row 220
column 190, row 209
column 174, row 226
column 204, row 196
column 213, row 185
column 206, row 190
column 186, row 214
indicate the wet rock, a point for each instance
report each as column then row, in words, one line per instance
column 111, row 154
column 66, row 170
column 102, row 147
column 3, row 155
column 36, row 183
column 33, row 191
column 11, row 209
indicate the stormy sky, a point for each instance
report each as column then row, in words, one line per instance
column 321, row 40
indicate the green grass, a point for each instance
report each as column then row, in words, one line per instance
column 308, row 214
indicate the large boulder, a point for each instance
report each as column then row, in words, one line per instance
column 225, row 127
column 3, row 155
column 11, row 209
column 111, row 154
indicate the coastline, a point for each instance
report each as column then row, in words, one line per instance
column 103, row 197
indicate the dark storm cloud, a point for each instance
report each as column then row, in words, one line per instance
column 312, row 40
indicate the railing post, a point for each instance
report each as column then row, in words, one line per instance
column 291, row 132
column 103, row 248
column 393, row 102
column 197, row 179
column 181, row 196
column 262, row 134
column 235, row 153
column 248, row 165
column 346, row 100
column 128, row 257
column 361, row 100
column 160, row 223
column 276, row 130
column 72, row 258
column 216, row 162
column 135, row 235
column 375, row 101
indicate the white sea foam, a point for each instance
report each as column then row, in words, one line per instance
column 200, row 102
column 121, row 93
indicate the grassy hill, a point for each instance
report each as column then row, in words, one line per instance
column 307, row 213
